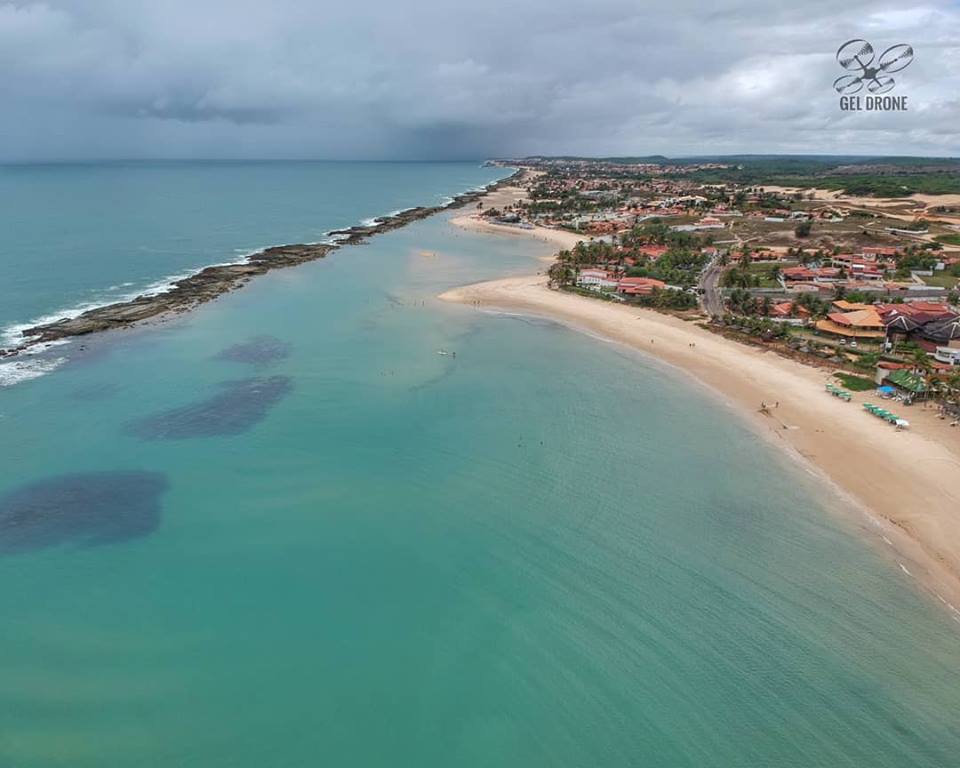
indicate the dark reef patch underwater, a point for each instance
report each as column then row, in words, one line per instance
column 259, row 350
column 84, row 509
column 241, row 405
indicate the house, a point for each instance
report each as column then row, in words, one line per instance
column 859, row 268
column 874, row 253
column 652, row 252
column 884, row 367
column 860, row 324
column 788, row 309
column 797, row 274
column 938, row 308
column 710, row 222
column 808, row 274
column 639, row 286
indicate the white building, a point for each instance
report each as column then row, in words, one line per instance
column 596, row 279
column 949, row 355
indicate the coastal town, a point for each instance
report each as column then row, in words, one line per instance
column 864, row 284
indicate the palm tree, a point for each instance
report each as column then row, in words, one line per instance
column 560, row 274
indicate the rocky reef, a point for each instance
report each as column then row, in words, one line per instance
column 211, row 282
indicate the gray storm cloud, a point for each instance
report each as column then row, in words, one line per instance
column 291, row 78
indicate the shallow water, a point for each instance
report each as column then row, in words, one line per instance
column 86, row 234
column 544, row 551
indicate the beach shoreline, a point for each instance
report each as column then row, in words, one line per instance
column 897, row 479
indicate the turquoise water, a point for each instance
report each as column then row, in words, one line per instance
column 81, row 235
column 546, row 551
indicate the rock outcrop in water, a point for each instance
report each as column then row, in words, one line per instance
column 258, row 351
column 82, row 509
column 211, row 282
column 237, row 407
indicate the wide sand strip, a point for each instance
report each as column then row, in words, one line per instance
column 555, row 237
column 908, row 481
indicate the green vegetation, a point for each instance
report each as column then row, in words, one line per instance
column 866, row 361
column 667, row 299
column 739, row 277
column 677, row 266
column 861, row 176
column 941, row 280
column 656, row 232
column 880, row 177
column 948, row 239
column 855, row 383
column 587, row 292
column 760, row 327
column 915, row 259
column 750, row 275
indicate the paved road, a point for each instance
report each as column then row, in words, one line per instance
column 710, row 297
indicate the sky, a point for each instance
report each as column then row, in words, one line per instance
column 445, row 79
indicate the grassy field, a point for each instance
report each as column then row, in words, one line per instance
column 941, row 280
column 762, row 271
column 855, row 383
column 948, row 239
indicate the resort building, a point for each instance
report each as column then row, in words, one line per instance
column 850, row 306
column 948, row 355
column 597, row 279
column 861, row 324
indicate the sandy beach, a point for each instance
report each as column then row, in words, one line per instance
column 906, row 485
column 508, row 195
column 474, row 223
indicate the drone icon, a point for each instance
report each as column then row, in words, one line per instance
column 858, row 54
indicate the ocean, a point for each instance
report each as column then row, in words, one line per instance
column 282, row 530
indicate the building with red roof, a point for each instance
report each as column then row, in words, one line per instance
column 639, row 286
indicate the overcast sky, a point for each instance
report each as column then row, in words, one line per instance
column 446, row 79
